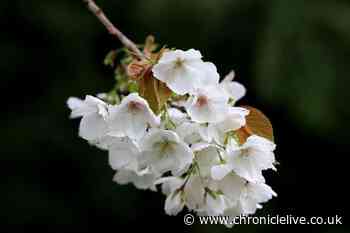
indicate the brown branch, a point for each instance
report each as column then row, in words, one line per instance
column 131, row 46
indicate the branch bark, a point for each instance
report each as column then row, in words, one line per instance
column 131, row 46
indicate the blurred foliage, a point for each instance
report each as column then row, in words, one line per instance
column 292, row 55
column 302, row 57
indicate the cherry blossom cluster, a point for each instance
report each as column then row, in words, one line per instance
column 190, row 149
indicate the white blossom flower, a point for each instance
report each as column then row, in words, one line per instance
column 191, row 148
column 184, row 71
column 248, row 160
column 255, row 155
column 163, row 150
column 208, row 105
column 246, row 197
column 93, row 111
column 202, row 195
column 232, row 88
column 190, row 192
column 131, row 118
column 234, row 119
column 90, row 105
column 141, row 180
column 253, row 195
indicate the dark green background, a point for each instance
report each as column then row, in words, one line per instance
column 293, row 56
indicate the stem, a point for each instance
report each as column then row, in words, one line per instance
column 131, row 46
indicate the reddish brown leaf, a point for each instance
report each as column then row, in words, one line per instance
column 257, row 123
column 154, row 91
column 136, row 69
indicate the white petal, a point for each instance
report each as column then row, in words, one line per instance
column 260, row 192
column 177, row 116
column 183, row 70
column 93, row 101
column 164, row 151
column 192, row 54
column 232, row 212
column 260, row 152
column 208, row 105
column 232, row 186
column 229, row 77
column 173, row 204
column 170, row 56
column 189, row 132
column 234, row 120
column 243, row 165
column 84, row 107
column 145, row 181
column 92, row 127
column 248, row 170
column 162, row 163
column 184, row 157
column 215, row 206
column 104, row 142
column 123, row 153
column 200, row 146
column 194, row 193
column 218, row 172
column 206, row 159
column 184, row 80
column 261, row 142
column 170, row 184
column 234, row 89
column 99, row 105
column 249, row 205
column 210, row 75
column 131, row 118
column 75, row 104
column 157, row 135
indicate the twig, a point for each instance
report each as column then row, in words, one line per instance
column 112, row 29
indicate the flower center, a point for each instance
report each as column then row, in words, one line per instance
column 202, row 101
column 134, row 106
column 245, row 152
column 179, row 62
column 165, row 146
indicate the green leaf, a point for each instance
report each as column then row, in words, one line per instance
column 110, row 58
